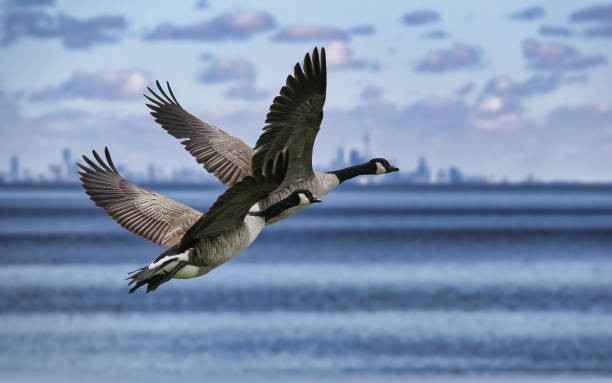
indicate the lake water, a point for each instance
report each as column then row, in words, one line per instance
column 371, row 285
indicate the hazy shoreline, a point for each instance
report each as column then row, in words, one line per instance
column 549, row 186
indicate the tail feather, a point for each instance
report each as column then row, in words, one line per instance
column 153, row 277
column 156, row 273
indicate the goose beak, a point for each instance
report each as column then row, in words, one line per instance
column 393, row 169
column 316, row 200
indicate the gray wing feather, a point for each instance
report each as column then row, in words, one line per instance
column 140, row 211
column 228, row 212
column 224, row 155
column 295, row 118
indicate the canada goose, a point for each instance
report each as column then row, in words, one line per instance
column 293, row 122
column 197, row 242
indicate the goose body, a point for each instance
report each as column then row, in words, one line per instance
column 206, row 241
column 210, row 253
column 293, row 122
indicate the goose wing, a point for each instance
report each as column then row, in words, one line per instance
column 295, row 118
column 140, row 211
column 222, row 154
column 228, row 212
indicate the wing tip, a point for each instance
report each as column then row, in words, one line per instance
column 101, row 165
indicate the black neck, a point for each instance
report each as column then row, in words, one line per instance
column 275, row 209
column 353, row 171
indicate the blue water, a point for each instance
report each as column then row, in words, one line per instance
column 377, row 284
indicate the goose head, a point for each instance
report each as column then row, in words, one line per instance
column 382, row 166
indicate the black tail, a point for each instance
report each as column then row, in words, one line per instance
column 155, row 276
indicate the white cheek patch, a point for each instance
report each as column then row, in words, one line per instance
column 380, row 169
column 254, row 208
column 303, row 199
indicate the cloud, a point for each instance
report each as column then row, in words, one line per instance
column 239, row 71
column 371, row 93
column 110, row 85
column 604, row 32
column 420, row 17
column 245, row 91
column 227, row 69
column 435, row 35
column 340, row 56
column 310, row 33
column 504, row 86
column 555, row 31
column 529, row 14
column 598, row 13
column 74, row 33
column 228, row 26
column 459, row 56
column 206, row 56
column 499, row 105
column 364, row 30
column 465, row 89
column 30, row 3
column 558, row 56
column 576, row 79
column 581, row 117
column 568, row 142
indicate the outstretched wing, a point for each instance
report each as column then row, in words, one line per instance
column 228, row 212
column 224, row 155
column 295, row 118
column 140, row 211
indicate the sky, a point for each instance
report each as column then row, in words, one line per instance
column 496, row 88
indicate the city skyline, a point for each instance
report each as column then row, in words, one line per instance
column 66, row 171
column 494, row 88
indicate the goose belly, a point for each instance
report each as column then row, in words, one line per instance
column 210, row 253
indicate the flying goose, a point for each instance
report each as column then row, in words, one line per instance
column 197, row 242
column 293, row 122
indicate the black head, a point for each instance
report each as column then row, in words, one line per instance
column 381, row 166
column 302, row 197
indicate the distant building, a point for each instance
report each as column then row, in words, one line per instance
column 421, row 175
column 151, row 173
column 14, row 168
column 355, row 157
column 454, row 175
column 338, row 162
column 442, row 176
column 66, row 155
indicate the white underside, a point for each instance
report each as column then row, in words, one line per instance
column 219, row 253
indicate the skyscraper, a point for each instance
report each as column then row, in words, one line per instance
column 66, row 166
column 152, row 173
column 14, row 167
column 422, row 174
column 66, row 156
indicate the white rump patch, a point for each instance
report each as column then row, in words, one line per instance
column 179, row 257
column 303, row 199
column 380, row 169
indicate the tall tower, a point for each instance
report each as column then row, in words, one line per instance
column 366, row 144
column 14, row 167
column 366, row 138
column 152, row 173
column 65, row 166
column 66, row 155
